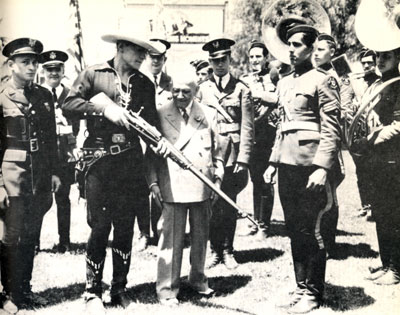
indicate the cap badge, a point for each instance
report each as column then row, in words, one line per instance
column 32, row 42
column 216, row 44
column 53, row 55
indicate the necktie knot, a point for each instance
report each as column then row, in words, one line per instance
column 185, row 115
column 220, row 84
column 155, row 81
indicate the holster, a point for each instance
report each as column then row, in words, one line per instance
column 81, row 169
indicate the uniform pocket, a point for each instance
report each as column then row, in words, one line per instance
column 11, row 155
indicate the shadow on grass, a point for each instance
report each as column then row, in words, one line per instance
column 146, row 292
column 75, row 249
column 257, row 255
column 361, row 250
column 345, row 233
column 340, row 298
column 222, row 286
column 59, row 295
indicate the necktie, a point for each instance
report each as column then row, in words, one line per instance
column 220, row 84
column 155, row 81
column 185, row 115
column 54, row 96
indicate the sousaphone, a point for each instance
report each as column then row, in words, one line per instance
column 284, row 12
column 381, row 35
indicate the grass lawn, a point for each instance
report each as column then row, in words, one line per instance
column 264, row 277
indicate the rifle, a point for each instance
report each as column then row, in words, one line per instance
column 151, row 133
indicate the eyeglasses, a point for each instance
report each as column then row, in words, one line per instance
column 183, row 91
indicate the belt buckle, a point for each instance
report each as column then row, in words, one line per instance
column 115, row 149
column 118, row 138
column 34, row 145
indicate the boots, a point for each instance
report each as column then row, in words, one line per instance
column 121, row 265
column 93, row 291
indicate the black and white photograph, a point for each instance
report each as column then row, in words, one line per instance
column 200, row 157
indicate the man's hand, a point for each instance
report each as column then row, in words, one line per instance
column 55, row 183
column 240, row 167
column 156, row 195
column 4, row 202
column 214, row 196
column 269, row 175
column 317, row 180
column 117, row 115
column 162, row 148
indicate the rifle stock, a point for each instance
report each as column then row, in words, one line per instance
column 154, row 136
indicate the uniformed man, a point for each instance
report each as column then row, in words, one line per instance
column 232, row 100
column 53, row 71
column 162, row 81
column 28, row 169
column 263, row 91
column 203, row 70
column 112, row 168
column 324, row 52
column 367, row 59
column 163, row 84
column 380, row 149
column 305, row 153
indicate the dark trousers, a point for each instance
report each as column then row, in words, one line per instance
column 67, row 177
column 364, row 179
column 116, row 190
column 21, row 223
column 303, row 211
column 155, row 214
column 385, row 202
column 223, row 218
column 263, row 194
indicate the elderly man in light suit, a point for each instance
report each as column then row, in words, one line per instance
column 192, row 128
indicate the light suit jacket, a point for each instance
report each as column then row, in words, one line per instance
column 199, row 141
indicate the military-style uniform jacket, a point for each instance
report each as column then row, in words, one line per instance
column 261, row 81
column 102, row 133
column 163, row 90
column 28, row 152
column 384, row 123
column 235, row 117
column 66, row 129
column 309, row 130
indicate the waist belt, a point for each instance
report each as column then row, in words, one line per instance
column 300, row 125
column 227, row 128
column 31, row 145
column 91, row 155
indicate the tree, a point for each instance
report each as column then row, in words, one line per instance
column 248, row 14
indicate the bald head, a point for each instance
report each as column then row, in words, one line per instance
column 184, row 87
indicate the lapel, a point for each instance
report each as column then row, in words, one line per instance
column 63, row 95
column 165, row 83
column 186, row 132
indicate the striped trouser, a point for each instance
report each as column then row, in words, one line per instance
column 304, row 210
